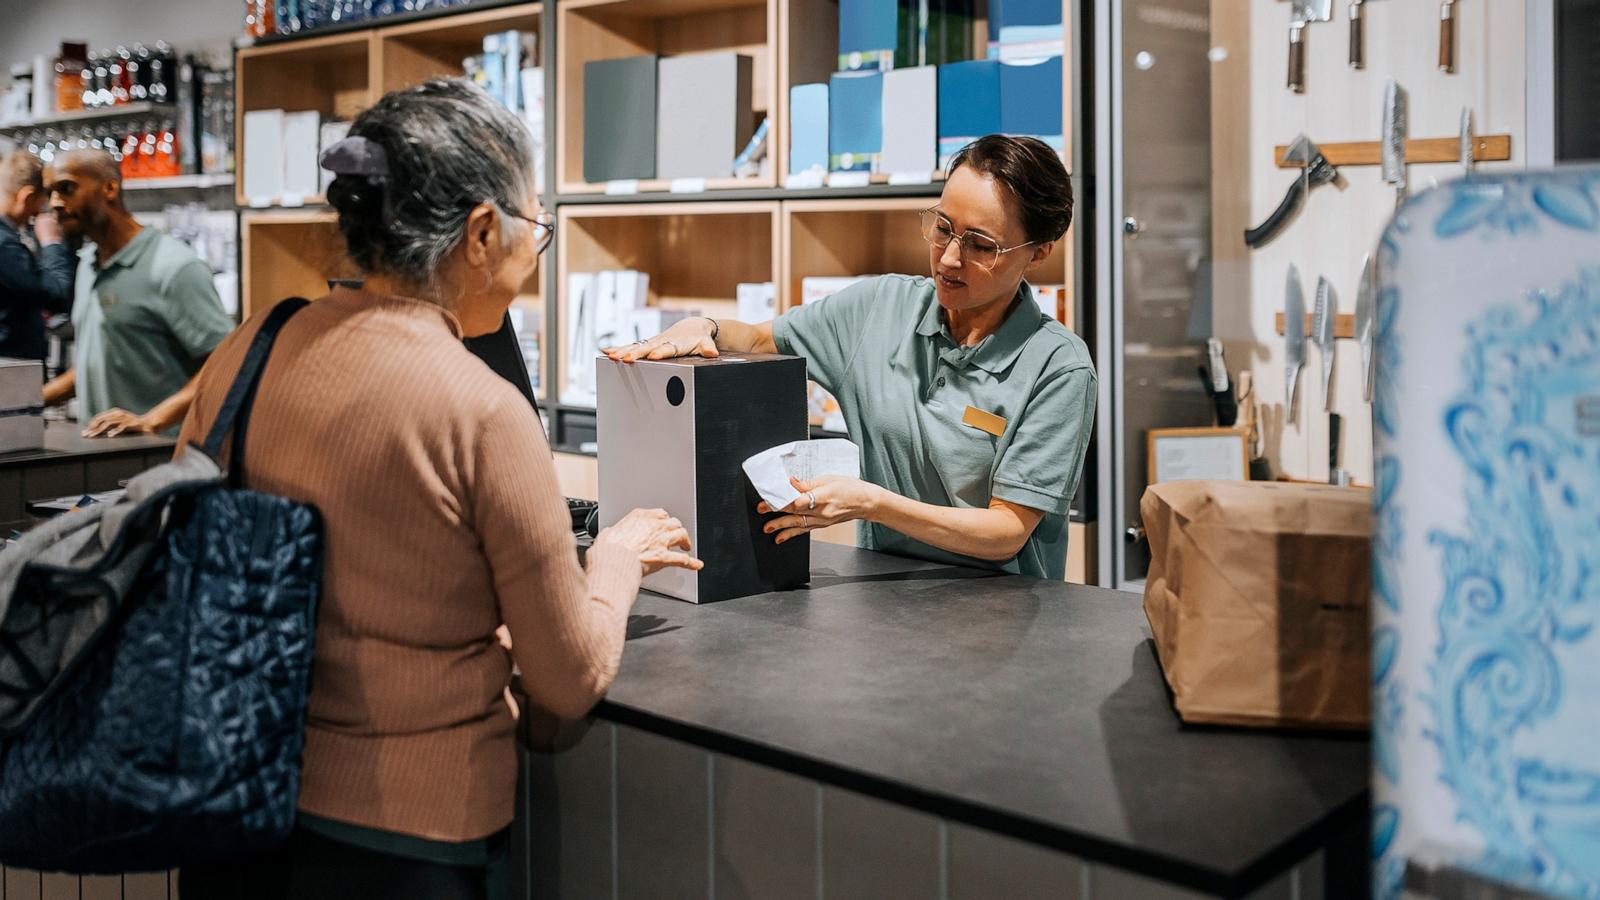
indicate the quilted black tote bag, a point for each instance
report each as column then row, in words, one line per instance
column 154, row 664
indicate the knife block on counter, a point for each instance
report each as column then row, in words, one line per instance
column 674, row 434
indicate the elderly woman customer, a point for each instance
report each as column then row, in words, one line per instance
column 442, row 513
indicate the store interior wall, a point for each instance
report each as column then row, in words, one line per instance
column 1337, row 227
column 28, row 27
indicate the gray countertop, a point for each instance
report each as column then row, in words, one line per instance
column 1027, row 707
column 64, row 440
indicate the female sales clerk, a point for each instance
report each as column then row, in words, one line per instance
column 972, row 409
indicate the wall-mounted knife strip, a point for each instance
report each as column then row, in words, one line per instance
column 1487, row 148
column 1344, row 325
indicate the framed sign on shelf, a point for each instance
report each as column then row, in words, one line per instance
column 1187, row 454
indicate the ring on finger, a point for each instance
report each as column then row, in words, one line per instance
column 675, row 351
column 811, row 496
column 803, row 523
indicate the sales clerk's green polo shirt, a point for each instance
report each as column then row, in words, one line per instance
column 904, row 386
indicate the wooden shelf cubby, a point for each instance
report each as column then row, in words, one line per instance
column 590, row 30
column 333, row 75
column 696, row 254
column 868, row 237
column 411, row 54
column 288, row 253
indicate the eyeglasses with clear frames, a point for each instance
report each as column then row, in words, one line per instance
column 978, row 249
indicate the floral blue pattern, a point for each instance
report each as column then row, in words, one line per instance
column 1523, row 581
column 1510, row 670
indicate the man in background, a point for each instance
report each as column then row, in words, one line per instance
column 146, row 313
column 31, row 287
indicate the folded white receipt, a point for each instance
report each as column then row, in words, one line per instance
column 770, row 470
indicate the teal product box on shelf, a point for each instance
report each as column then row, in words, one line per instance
column 910, row 120
column 1025, row 29
column 867, row 34
column 969, row 104
column 808, row 131
column 1030, row 100
column 619, row 119
column 703, row 114
column 855, row 121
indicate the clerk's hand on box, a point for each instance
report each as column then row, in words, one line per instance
column 829, row 500
column 690, row 337
column 114, row 422
column 657, row 539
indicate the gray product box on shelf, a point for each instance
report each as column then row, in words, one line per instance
column 703, row 116
column 21, row 404
column 674, row 434
column 619, row 119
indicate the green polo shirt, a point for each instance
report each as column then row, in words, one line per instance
column 904, row 385
column 143, row 323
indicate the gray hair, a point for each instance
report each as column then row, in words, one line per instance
column 20, row 169
column 449, row 147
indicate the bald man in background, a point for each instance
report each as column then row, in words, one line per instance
column 146, row 313
column 31, row 287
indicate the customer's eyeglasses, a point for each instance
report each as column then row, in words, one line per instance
column 544, row 229
column 979, row 249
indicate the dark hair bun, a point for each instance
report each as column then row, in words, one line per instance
column 359, row 202
column 1032, row 171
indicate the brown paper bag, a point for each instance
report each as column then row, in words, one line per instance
column 1257, row 598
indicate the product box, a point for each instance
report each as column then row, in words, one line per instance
column 302, row 141
column 1030, row 100
column 703, row 114
column 855, row 121
column 758, row 301
column 969, row 105
column 910, row 120
column 619, row 120
column 263, row 155
column 808, row 132
column 703, row 419
column 21, row 404
column 867, row 34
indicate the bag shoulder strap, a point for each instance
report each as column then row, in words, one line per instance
column 235, row 412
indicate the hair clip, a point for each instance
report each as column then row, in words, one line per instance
column 356, row 155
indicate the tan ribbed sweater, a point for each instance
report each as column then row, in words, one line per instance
column 443, row 519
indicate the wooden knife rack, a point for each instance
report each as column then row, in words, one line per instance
column 1344, row 325
column 1486, row 148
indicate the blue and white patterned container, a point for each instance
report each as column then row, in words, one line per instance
column 1486, row 557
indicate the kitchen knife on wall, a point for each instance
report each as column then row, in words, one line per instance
column 1393, row 151
column 1294, row 337
column 1358, row 34
column 1469, row 142
column 1322, row 335
column 1336, row 473
column 1447, row 36
column 1366, row 296
column 1301, row 14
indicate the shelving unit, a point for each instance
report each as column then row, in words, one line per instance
column 86, row 116
column 286, row 252
column 590, row 30
column 696, row 244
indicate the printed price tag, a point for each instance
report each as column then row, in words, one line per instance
column 622, row 187
column 688, row 186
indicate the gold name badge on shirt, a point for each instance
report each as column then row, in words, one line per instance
column 984, row 421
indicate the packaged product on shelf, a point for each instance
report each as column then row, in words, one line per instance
column 758, row 302
column 910, row 120
column 331, row 133
column 855, row 121
column 867, row 34
column 703, row 114
column 69, row 76
column 969, row 105
column 1030, row 100
column 302, row 176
